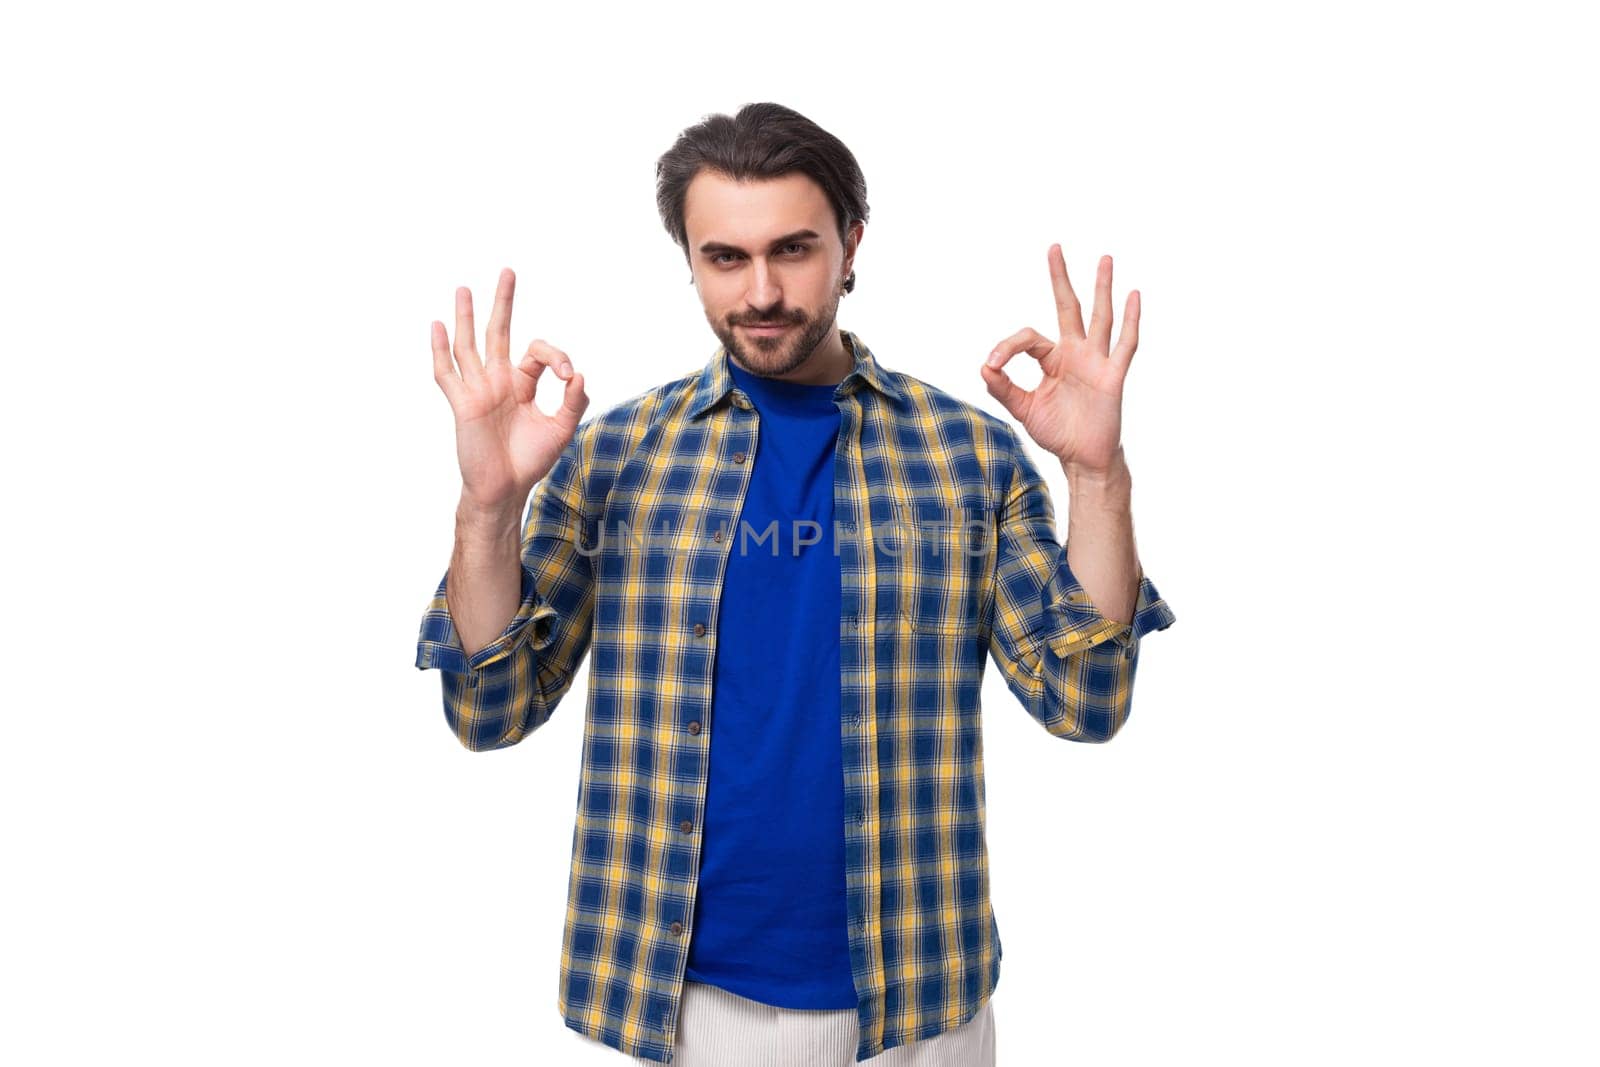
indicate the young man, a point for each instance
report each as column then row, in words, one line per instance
column 788, row 568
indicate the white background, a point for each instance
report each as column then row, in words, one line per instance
column 1352, row 818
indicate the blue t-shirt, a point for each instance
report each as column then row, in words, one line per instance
column 769, row 914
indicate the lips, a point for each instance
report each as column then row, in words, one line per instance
column 775, row 327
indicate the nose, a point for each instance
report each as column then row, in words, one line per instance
column 764, row 290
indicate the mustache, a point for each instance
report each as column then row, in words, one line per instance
column 793, row 320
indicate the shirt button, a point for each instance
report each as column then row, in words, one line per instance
column 738, row 457
column 694, row 727
column 718, row 535
column 699, row 629
column 861, row 819
column 677, row 928
column 686, row 826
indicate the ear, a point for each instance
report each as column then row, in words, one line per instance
column 852, row 241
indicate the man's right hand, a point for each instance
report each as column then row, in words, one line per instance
column 504, row 442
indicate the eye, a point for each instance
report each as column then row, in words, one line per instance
column 717, row 258
column 798, row 246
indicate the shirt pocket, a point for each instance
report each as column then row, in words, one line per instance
column 945, row 569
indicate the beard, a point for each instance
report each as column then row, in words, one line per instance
column 772, row 357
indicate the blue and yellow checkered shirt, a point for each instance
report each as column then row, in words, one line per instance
column 945, row 533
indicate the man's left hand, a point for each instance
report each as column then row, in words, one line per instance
column 1075, row 411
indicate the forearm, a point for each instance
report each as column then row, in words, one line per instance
column 1100, row 549
column 484, row 586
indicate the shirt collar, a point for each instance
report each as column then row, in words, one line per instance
column 715, row 382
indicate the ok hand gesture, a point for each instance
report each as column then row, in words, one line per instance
column 504, row 442
column 1076, row 409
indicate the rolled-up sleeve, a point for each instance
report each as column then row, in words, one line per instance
column 1070, row 666
column 510, row 687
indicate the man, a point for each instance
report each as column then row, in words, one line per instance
column 788, row 566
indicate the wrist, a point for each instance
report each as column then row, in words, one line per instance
column 488, row 517
column 1114, row 475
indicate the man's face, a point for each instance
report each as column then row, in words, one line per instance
column 767, row 252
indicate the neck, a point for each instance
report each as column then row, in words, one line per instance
column 828, row 363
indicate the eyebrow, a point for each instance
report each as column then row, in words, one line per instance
column 713, row 247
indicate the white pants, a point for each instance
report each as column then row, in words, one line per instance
column 717, row 1028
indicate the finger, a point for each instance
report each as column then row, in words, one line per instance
column 525, row 379
column 1068, row 312
column 444, row 371
column 548, row 355
column 497, row 341
column 466, row 346
column 1026, row 340
column 1100, row 320
column 1128, row 336
column 540, row 355
column 528, row 371
column 1012, row 396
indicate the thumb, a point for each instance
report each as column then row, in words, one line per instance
column 573, row 402
column 1012, row 396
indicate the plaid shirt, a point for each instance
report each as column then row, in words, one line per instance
column 944, row 531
